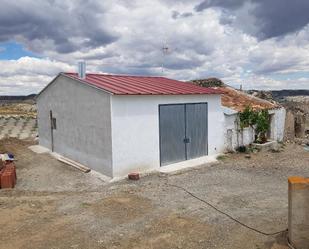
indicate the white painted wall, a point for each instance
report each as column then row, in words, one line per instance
column 83, row 123
column 135, row 129
column 237, row 139
column 230, row 132
column 278, row 124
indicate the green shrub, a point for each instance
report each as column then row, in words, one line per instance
column 221, row 157
column 259, row 120
column 262, row 125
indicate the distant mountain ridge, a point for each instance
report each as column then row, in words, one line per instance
column 277, row 95
column 21, row 98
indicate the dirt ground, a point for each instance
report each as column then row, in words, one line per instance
column 55, row 206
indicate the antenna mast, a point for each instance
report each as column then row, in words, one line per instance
column 165, row 49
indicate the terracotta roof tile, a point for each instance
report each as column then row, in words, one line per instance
column 238, row 100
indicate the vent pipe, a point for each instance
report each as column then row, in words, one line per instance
column 82, row 69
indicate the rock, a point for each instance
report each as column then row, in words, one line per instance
column 133, row 176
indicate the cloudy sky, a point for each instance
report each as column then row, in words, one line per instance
column 260, row 44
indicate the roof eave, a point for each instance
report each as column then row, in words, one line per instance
column 43, row 90
column 72, row 78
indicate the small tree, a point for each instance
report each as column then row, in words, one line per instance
column 262, row 125
column 258, row 120
column 247, row 117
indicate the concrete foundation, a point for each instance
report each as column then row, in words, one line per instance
column 299, row 212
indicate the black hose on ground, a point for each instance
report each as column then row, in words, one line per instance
column 225, row 214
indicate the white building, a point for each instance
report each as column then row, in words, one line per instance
column 121, row 124
column 233, row 102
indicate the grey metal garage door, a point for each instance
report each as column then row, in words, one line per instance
column 183, row 132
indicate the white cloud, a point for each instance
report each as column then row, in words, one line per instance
column 200, row 45
column 27, row 75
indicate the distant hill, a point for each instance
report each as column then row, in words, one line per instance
column 275, row 95
column 14, row 99
column 281, row 94
column 278, row 95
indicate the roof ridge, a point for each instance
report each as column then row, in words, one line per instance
column 140, row 85
column 120, row 75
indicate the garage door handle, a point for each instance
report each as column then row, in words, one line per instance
column 186, row 140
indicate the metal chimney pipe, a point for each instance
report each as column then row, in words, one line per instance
column 82, row 69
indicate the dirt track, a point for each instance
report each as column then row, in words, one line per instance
column 54, row 206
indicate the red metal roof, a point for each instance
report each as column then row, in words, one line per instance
column 142, row 85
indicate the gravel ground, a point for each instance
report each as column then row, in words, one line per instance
column 41, row 172
column 54, row 206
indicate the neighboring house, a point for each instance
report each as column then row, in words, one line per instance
column 235, row 101
column 119, row 124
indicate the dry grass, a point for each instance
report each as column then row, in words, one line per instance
column 27, row 110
